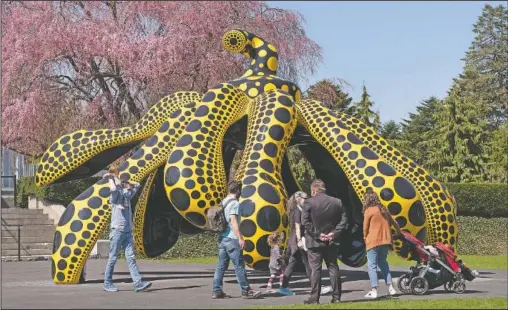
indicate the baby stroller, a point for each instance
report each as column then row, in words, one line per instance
column 436, row 265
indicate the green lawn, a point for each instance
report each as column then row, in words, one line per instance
column 456, row 303
column 472, row 261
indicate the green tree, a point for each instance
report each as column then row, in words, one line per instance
column 331, row 93
column 415, row 127
column 457, row 144
column 390, row 130
column 363, row 110
column 498, row 159
column 488, row 56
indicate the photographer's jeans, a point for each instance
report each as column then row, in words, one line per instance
column 230, row 249
column 118, row 240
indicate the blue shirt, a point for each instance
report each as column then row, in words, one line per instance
column 121, row 214
column 231, row 206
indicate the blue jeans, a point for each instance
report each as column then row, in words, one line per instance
column 118, row 240
column 376, row 257
column 229, row 249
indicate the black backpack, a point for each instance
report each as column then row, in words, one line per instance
column 216, row 218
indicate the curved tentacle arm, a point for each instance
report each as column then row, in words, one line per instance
column 263, row 55
column 90, row 212
column 195, row 177
column 440, row 208
column 84, row 152
column 363, row 167
column 272, row 120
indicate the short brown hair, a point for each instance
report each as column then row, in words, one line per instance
column 318, row 186
column 234, row 187
column 113, row 169
column 275, row 238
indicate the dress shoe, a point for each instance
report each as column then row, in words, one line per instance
column 335, row 301
column 311, row 302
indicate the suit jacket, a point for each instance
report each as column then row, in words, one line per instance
column 323, row 214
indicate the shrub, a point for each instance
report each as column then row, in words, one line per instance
column 482, row 236
column 62, row 193
column 480, row 199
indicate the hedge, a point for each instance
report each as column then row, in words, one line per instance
column 480, row 199
column 476, row 237
column 62, row 193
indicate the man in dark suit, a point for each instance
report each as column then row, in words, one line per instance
column 324, row 218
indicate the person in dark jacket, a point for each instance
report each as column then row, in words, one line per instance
column 324, row 218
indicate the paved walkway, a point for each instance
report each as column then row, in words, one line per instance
column 28, row 285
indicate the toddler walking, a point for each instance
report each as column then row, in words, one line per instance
column 277, row 261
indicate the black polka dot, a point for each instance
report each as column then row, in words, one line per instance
column 246, row 208
column 360, row 163
column 246, row 257
column 249, row 246
column 276, row 132
column 403, row 188
column 190, row 184
column 270, row 149
column 164, row 127
column 209, row 96
column 268, row 193
column 268, row 218
column 282, row 115
column 401, row 221
column 387, row 194
column 86, row 234
column 104, row 192
column 263, row 247
column 247, row 228
column 346, row 146
column 202, row 111
column 172, row 176
column 249, row 180
column 196, row 218
column 267, row 165
column 342, row 125
column 394, row 208
column 67, row 215
column 194, row 125
column 353, row 155
column 450, row 218
column 370, row 171
column 65, row 252
column 422, row 235
column 184, row 141
column 76, row 226
column 385, row 169
column 378, row 181
column 86, row 194
column 57, row 240
column 70, row 239
column 60, row 276
column 353, row 138
column 368, row 153
column 94, row 202
column 180, row 199
column 152, row 141
column 248, row 191
column 416, row 214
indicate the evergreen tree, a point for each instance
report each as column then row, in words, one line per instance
column 363, row 110
column 457, row 143
column 331, row 93
column 390, row 130
column 488, row 56
column 498, row 159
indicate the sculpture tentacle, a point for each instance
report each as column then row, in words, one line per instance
column 90, row 212
column 195, row 177
column 272, row 120
column 439, row 206
column 363, row 167
column 85, row 152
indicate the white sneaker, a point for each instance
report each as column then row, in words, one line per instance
column 325, row 290
column 391, row 290
column 371, row 294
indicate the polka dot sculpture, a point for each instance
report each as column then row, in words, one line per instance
column 186, row 144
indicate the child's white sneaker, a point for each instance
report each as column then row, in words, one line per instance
column 391, row 290
column 371, row 294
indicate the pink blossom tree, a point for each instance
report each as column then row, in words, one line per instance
column 75, row 64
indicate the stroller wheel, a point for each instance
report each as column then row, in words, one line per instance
column 419, row 285
column 448, row 286
column 404, row 282
column 459, row 287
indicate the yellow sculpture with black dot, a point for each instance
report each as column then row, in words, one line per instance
column 186, row 143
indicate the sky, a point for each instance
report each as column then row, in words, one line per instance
column 405, row 52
